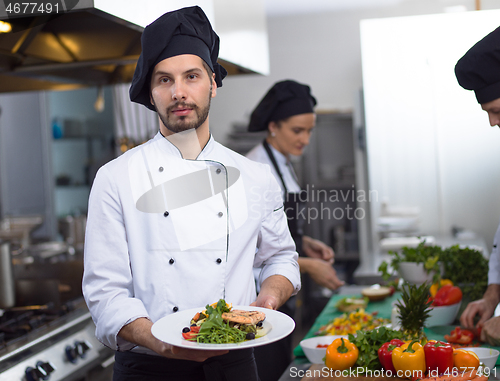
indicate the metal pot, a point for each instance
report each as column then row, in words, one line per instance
column 36, row 292
column 7, row 285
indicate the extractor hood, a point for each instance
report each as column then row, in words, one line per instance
column 92, row 43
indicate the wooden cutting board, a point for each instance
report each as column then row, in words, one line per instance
column 315, row 373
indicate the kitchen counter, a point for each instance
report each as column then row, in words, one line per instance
column 301, row 369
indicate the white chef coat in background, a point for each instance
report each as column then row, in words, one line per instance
column 259, row 154
column 143, row 263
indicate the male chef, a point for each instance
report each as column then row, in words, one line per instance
column 180, row 221
column 479, row 70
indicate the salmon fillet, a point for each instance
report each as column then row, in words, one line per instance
column 244, row 317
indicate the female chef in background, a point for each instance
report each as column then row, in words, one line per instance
column 287, row 113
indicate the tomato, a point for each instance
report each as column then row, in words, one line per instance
column 447, row 295
column 189, row 335
column 459, row 336
column 192, row 333
column 322, row 346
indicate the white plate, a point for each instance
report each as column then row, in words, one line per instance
column 168, row 329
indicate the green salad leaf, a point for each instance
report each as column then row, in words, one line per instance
column 215, row 331
column 368, row 344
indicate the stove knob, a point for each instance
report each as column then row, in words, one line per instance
column 45, row 367
column 34, row 374
column 41, row 372
column 82, row 347
column 71, row 354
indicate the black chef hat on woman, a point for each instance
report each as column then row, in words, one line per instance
column 184, row 31
column 479, row 68
column 283, row 100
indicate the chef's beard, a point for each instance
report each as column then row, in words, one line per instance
column 181, row 124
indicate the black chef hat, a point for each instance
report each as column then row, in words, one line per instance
column 283, row 100
column 479, row 68
column 184, row 31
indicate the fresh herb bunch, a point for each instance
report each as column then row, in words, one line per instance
column 215, row 331
column 368, row 343
column 466, row 268
column 414, row 309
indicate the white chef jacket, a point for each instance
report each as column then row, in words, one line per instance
column 150, row 254
column 494, row 263
column 259, row 154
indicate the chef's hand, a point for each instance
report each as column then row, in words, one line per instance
column 484, row 307
column 491, row 331
column 481, row 307
column 320, row 272
column 179, row 353
column 139, row 332
column 266, row 301
column 274, row 292
column 317, row 249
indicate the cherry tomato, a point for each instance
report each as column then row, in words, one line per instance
column 192, row 333
column 189, row 335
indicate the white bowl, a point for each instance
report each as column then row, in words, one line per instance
column 443, row 315
column 376, row 293
column 487, row 356
column 315, row 355
column 415, row 273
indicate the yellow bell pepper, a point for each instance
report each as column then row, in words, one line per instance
column 436, row 286
column 465, row 360
column 409, row 360
column 341, row 354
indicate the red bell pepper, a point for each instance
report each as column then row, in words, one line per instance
column 447, row 295
column 459, row 336
column 385, row 354
column 438, row 357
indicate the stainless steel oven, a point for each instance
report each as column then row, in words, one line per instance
column 41, row 343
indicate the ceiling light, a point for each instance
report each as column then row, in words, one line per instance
column 5, row 27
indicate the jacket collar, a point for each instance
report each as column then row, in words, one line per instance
column 169, row 148
column 281, row 159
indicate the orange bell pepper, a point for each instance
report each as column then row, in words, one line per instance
column 341, row 354
column 465, row 360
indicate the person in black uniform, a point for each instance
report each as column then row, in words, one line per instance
column 287, row 113
column 479, row 70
